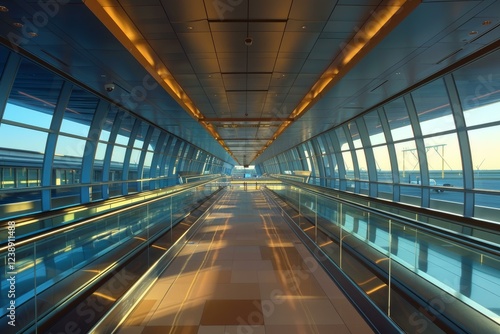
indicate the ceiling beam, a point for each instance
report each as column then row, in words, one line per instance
column 245, row 119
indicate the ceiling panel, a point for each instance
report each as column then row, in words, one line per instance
column 202, row 43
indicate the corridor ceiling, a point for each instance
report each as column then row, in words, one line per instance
column 249, row 79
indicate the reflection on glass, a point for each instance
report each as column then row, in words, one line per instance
column 399, row 122
column 375, row 131
column 382, row 163
column 349, row 166
column 486, row 164
column 17, row 138
column 118, row 154
column 478, row 86
column 40, row 98
column 69, row 148
column 408, row 162
column 363, row 167
column 79, row 112
column 356, row 140
column 444, row 160
column 342, row 138
column 433, row 107
column 27, row 116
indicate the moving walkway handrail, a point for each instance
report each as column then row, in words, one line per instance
column 470, row 241
column 456, row 316
column 130, row 245
column 146, row 199
column 374, row 316
column 465, row 221
column 118, row 313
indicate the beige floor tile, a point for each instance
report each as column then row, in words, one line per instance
column 232, row 312
column 187, row 313
column 211, row 329
column 170, row 330
column 140, row 313
column 246, row 329
column 209, row 276
column 245, row 272
column 130, row 330
column 253, row 265
column 227, row 291
column 308, row 329
column 305, row 311
column 267, row 276
column 244, row 276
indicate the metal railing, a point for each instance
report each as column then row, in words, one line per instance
column 419, row 275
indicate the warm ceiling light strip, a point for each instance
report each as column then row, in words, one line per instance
column 118, row 22
column 383, row 20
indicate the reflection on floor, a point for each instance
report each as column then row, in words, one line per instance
column 244, row 272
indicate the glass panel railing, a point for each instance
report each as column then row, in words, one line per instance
column 485, row 230
column 49, row 268
column 401, row 256
column 28, row 225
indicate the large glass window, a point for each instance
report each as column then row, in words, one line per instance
column 408, row 162
column 356, row 140
column 23, row 139
column 478, row 86
column 33, row 104
column 374, row 127
column 433, row 108
column 444, row 160
column 399, row 122
column 486, row 164
column 382, row 163
column 79, row 112
column 22, row 115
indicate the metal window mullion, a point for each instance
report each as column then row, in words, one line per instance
column 421, row 151
column 464, row 144
column 169, row 147
column 354, row 158
column 327, row 141
column 157, row 159
column 142, row 158
column 369, row 156
column 171, row 163
column 163, row 162
column 50, row 146
column 396, row 195
column 91, row 148
column 340, row 160
column 128, row 154
column 180, row 162
column 7, row 79
column 106, row 166
column 189, row 158
column 318, row 160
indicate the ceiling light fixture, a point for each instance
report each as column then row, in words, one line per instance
column 382, row 22
column 124, row 29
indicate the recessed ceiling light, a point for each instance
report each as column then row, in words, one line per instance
column 486, row 22
column 17, row 24
column 190, row 27
column 4, row 9
column 473, row 32
column 32, row 34
column 304, row 27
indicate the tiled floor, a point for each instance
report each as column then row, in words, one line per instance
column 244, row 272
